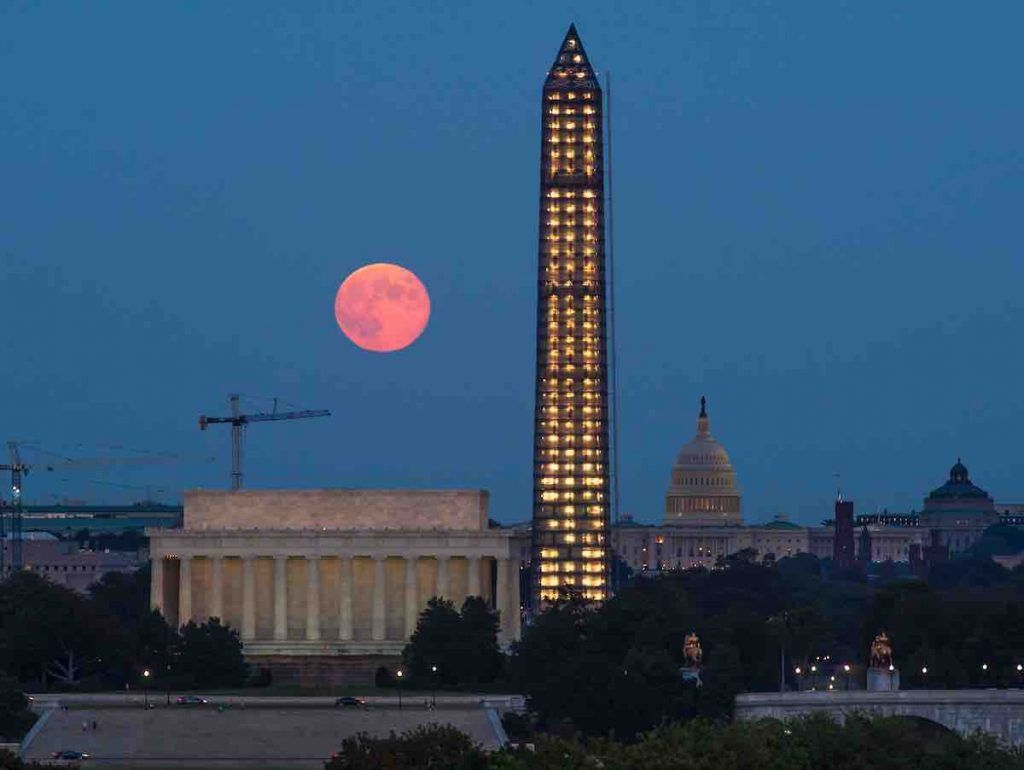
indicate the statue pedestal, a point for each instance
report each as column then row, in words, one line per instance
column 883, row 679
column 691, row 674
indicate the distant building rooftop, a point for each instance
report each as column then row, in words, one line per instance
column 62, row 518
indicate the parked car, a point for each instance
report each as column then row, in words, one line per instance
column 68, row 754
column 349, row 701
column 191, row 700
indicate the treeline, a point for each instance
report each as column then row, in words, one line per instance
column 814, row 743
column 53, row 637
column 616, row 670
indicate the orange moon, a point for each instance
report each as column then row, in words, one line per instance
column 382, row 307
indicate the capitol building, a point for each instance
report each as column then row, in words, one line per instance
column 703, row 487
column 703, row 516
column 703, row 519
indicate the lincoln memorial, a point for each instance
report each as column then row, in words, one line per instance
column 315, row 578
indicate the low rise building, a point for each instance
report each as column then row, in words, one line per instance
column 66, row 564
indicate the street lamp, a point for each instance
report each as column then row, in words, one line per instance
column 399, row 673
column 145, row 687
column 846, row 676
column 433, row 696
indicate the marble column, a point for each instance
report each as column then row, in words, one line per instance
column 411, row 598
column 345, row 600
column 442, row 577
column 378, row 627
column 217, row 588
column 313, row 598
column 185, row 590
column 473, row 585
column 156, row 584
column 280, row 598
column 248, row 598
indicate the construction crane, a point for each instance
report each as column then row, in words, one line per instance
column 19, row 469
column 238, row 421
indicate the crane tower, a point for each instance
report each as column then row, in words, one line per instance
column 239, row 421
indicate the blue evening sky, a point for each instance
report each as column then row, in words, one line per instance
column 818, row 225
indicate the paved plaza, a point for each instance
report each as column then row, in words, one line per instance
column 293, row 736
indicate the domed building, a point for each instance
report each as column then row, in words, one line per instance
column 702, row 490
column 959, row 510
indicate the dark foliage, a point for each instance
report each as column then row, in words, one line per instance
column 51, row 637
column 211, row 654
column 49, row 632
column 616, row 669
column 814, row 743
column 427, row 746
column 15, row 716
column 463, row 646
column 125, row 595
column 999, row 539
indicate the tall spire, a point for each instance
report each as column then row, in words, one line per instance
column 571, row 68
column 572, row 483
column 703, row 423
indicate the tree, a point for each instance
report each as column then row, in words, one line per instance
column 463, row 646
column 48, row 628
column 646, row 692
column 151, row 641
column 554, row 636
column 813, row 742
column 968, row 573
column 999, row 539
column 722, row 681
column 124, row 595
column 211, row 654
column 435, row 642
column 482, row 658
column 15, row 716
column 154, row 644
column 440, row 746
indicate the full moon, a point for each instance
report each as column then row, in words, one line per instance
column 382, row 307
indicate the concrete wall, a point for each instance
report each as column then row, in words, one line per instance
column 999, row 712
column 336, row 509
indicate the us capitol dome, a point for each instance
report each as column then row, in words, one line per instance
column 703, row 486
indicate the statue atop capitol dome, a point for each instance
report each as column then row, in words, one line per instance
column 703, row 488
